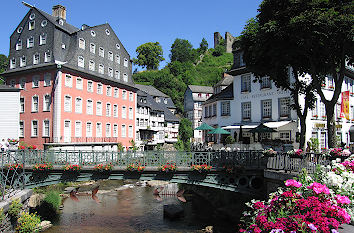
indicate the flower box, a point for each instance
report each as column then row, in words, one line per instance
column 296, row 154
column 72, row 168
column 12, row 141
column 103, row 168
column 135, row 168
column 168, row 167
column 269, row 153
column 201, row 168
column 42, row 167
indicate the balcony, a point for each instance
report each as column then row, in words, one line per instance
column 80, row 139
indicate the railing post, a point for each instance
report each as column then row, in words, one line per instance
column 23, row 172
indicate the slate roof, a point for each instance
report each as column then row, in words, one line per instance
column 226, row 94
column 151, row 90
column 200, row 89
column 5, row 88
column 225, row 81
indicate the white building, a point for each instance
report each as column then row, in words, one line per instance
column 10, row 113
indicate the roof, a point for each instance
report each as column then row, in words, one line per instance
column 5, row 88
column 225, row 81
column 66, row 27
column 150, row 90
column 201, row 89
column 226, row 94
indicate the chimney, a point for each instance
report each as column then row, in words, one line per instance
column 59, row 11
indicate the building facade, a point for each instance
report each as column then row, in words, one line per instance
column 76, row 85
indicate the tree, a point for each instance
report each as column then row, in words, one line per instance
column 185, row 133
column 182, row 51
column 149, row 55
column 312, row 37
column 4, row 61
column 203, row 46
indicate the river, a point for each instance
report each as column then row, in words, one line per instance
column 128, row 208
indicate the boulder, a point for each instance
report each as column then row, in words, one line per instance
column 154, row 183
column 45, row 225
column 35, row 200
column 173, row 211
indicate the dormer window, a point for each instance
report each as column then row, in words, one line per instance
column 47, row 56
column 44, row 23
column 110, row 72
column 43, row 39
column 110, row 55
column 81, row 62
column 92, row 65
column 36, row 59
column 32, row 16
column 108, row 32
column 125, row 77
column 81, row 43
column 22, row 61
column 13, row 63
column 117, row 46
column 30, row 42
column 101, row 69
column 117, row 59
column 19, row 44
column 61, row 22
column 19, row 30
column 93, row 33
column 125, row 62
column 92, row 48
column 31, row 25
column 117, row 74
column 101, row 52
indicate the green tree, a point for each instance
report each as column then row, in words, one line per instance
column 182, row 51
column 312, row 37
column 4, row 61
column 203, row 46
column 149, row 55
column 185, row 133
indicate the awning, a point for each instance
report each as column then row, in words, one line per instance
column 238, row 127
column 273, row 125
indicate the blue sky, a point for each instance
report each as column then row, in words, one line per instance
column 139, row 21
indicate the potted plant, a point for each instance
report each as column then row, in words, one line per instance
column 269, row 153
column 103, row 168
column 299, row 154
column 12, row 141
column 201, row 168
column 42, row 167
column 72, row 168
column 168, row 167
column 135, row 168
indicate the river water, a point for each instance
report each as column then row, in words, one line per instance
column 129, row 208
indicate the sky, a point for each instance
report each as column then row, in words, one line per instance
column 140, row 21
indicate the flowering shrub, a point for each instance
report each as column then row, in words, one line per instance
column 201, row 168
column 32, row 147
column 300, row 208
column 269, row 153
column 13, row 166
column 72, row 168
column 28, row 223
column 296, row 153
column 42, row 167
column 168, row 167
column 11, row 140
column 102, row 168
column 339, row 153
column 133, row 167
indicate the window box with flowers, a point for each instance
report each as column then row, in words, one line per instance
column 296, row 154
column 269, row 153
column 315, row 116
column 42, row 167
column 135, row 168
column 72, row 168
column 201, row 168
column 168, row 167
column 12, row 141
column 324, row 117
column 103, row 168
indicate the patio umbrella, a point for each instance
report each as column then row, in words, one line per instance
column 219, row 131
column 262, row 129
column 204, row 126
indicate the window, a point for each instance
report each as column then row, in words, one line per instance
column 117, row 74
column 108, row 32
column 117, row 59
column 115, row 110
column 130, row 131
column 92, row 65
column 108, row 130
column 131, row 96
column 110, row 55
column 19, row 30
column 31, row 25
column 47, row 79
column 265, row 82
column 116, row 92
column 214, row 110
column 88, row 129
column 225, row 108
column 323, row 140
column 92, row 48
column 89, row 86
column 22, row 61
column 47, row 56
column 108, row 109
column 46, row 103
column 98, row 129
column 125, row 62
column 124, row 94
column 81, row 61
column 110, row 72
column 284, row 107
column 206, row 112
column 35, row 104
column 124, row 112
column 93, row 33
column 124, row 131
column 79, row 83
column 19, row 44
column 22, row 129
column 42, row 39
column 285, row 135
column 322, row 109
column 101, row 52
column 101, row 69
column 67, row 103
column 68, row 80
column 78, row 129
column 246, row 83
column 34, row 129
column 36, row 59
column 81, row 43
column 89, row 107
column 13, row 63
column 35, row 81
column 117, row 46
column 125, row 77
column 99, row 109
column 130, row 113
column 46, row 130
column 12, row 83
column 266, row 108
column 22, row 104
column 109, row 91
column 44, row 23
column 30, row 42
column 115, row 130
column 99, row 88
column 78, row 105
column 246, row 110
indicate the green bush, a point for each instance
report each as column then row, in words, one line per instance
column 53, row 199
column 28, row 223
column 15, row 208
column 229, row 140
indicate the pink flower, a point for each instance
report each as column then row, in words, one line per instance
column 258, row 205
column 342, row 199
column 318, row 188
column 293, row 183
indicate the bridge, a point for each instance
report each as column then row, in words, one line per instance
column 239, row 171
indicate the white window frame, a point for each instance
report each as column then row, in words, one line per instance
column 89, row 132
column 131, row 96
column 35, row 104
column 284, row 107
column 67, row 103
column 47, row 80
column 89, row 107
column 33, row 134
column 23, row 61
column 246, row 110
column 131, row 113
column 99, row 108
column 30, row 42
column 110, row 72
column 79, row 83
column 101, row 69
column 117, row 58
column 266, row 110
column 125, row 62
column 13, row 63
column 31, row 25
column 225, row 108
column 82, row 43
column 108, row 129
column 108, row 109
column 115, row 130
column 81, row 61
column 46, row 133
column 124, row 94
column 90, row 87
column 68, row 80
column 21, row 129
column 115, row 110
column 123, row 131
column 130, row 131
column 98, row 129
column 117, row 75
column 36, row 58
column 99, row 88
column 101, row 52
column 125, row 77
column 246, row 83
column 78, row 131
column 42, row 39
column 92, row 48
column 22, row 104
column 19, row 44
column 78, row 105
column 92, row 65
column 116, row 92
column 47, row 56
column 265, row 83
column 110, row 55
column 124, row 112
column 46, row 107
